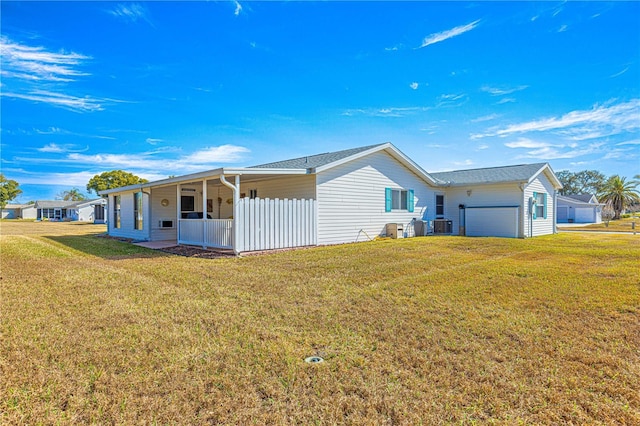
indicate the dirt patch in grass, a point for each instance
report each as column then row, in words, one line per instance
column 201, row 253
column 416, row 331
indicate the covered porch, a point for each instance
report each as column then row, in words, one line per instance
column 245, row 212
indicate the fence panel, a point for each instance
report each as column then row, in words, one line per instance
column 266, row 224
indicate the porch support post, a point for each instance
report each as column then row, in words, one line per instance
column 236, row 199
column 178, row 209
column 204, row 213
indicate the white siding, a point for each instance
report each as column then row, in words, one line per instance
column 126, row 217
column 30, row 212
column 158, row 213
column 497, row 195
column 351, row 198
column 539, row 226
column 299, row 187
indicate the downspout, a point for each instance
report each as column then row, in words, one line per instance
column 236, row 201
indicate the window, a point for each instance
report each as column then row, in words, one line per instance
column 137, row 211
column 253, row 193
column 187, row 203
column 439, row 206
column 399, row 199
column 540, row 208
column 116, row 211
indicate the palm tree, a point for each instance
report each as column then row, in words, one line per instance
column 619, row 194
column 72, row 195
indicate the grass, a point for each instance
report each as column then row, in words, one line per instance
column 621, row 225
column 434, row 330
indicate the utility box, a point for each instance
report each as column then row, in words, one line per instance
column 421, row 227
column 442, row 226
column 395, row 230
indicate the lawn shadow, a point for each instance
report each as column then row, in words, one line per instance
column 106, row 247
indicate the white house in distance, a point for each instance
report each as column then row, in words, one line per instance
column 338, row 197
column 58, row 210
column 581, row 208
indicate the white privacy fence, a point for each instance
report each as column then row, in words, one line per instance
column 262, row 224
column 265, row 224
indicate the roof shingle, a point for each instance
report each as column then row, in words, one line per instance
column 519, row 173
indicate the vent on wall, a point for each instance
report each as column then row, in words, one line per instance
column 165, row 223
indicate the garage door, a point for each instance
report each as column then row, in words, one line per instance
column 492, row 221
column 584, row 215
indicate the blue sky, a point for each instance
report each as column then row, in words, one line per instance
column 169, row 88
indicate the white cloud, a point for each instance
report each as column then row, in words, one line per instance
column 30, row 63
column 445, row 35
column 385, row 112
column 600, row 121
column 414, row 85
column 485, row 118
column 500, row 91
column 153, row 141
column 131, row 12
column 147, row 163
column 238, row 9
column 73, row 103
column 55, row 148
column 562, row 28
column 632, row 142
column 548, row 151
column 483, row 146
column 465, row 163
column 618, row 74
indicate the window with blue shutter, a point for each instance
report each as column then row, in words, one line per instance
column 398, row 199
column 540, row 208
column 544, row 201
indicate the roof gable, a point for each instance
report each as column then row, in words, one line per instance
column 584, row 198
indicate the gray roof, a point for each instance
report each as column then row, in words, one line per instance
column 519, row 173
column 313, row 161
column 585, row 198
column 60, row 204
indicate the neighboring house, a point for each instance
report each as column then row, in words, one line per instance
column 581, row 208
column 511, row 201
column 332, row 198
column 13, row 211
column 57, row 210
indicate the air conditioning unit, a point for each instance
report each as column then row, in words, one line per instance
column 442, row 226
column 395, row 230
column 164, row 224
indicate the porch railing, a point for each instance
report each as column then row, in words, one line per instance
column 216, row 233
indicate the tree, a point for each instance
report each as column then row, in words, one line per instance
column 9, row 190
column 619, row 193
column 583, row 182
column 72, row 195
column 113, row 179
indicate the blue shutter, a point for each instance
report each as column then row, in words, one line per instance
column 410, row 200
column 387, row 199
column 545, row 205
column 533, row 206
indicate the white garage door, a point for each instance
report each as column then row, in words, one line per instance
column 492, row 221
column 584, row 215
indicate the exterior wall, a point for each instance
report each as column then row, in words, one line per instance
column 299, row 187
column 539, row 226
column 10, row 212
column 126, row 217
column 29, row 212
column 351, row 199
column 497, row 195
column 158, row 213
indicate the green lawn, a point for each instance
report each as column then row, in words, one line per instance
column 621, row 225
column 432, row 330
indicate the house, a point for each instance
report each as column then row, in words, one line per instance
column 581, row 208
column 338, row 197
column 13, row 211
column 58, row 210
